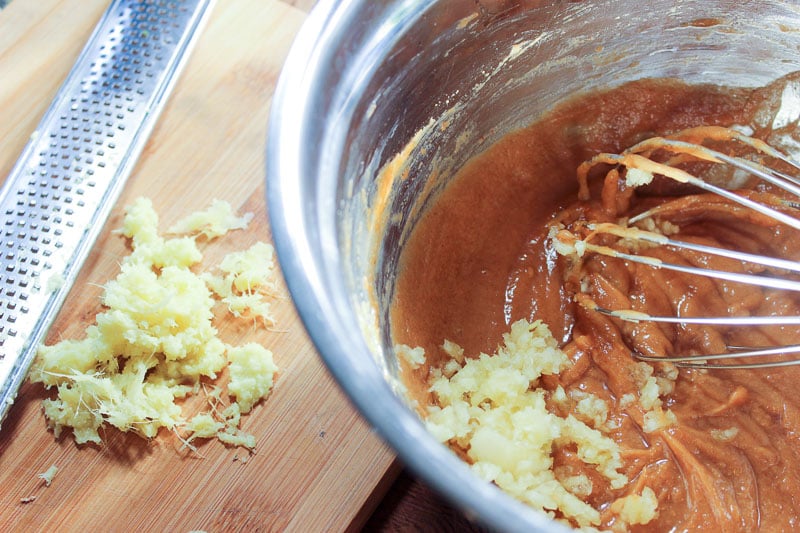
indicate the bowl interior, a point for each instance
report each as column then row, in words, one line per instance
column 387, row 101
column 461, row 77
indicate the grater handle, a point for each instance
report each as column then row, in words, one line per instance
column 57, row 197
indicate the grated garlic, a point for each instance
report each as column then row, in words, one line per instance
column 154, row 344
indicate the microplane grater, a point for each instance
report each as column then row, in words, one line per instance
column 58, row 195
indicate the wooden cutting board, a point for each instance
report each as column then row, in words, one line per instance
column 318, row 466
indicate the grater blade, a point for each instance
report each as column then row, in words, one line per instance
column 58, row 195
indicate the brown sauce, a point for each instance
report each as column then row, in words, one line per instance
column 478, row 261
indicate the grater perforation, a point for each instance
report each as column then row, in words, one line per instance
column 61, row 189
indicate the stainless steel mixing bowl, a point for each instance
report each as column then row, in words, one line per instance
column 439, row 82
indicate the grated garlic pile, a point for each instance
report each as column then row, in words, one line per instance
column 154, row 344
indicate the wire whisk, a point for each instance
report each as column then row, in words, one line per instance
column 776, row 196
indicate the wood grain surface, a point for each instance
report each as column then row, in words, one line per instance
column 318, row 467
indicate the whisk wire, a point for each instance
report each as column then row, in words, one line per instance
column 739, row 277
column 641, row 167
column 661, row 239
column 702, row 361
